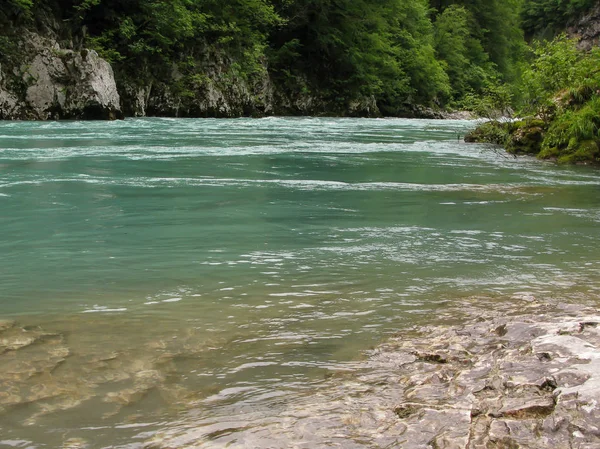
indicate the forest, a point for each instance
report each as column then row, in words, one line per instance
column 398, row 52
column 342, row 57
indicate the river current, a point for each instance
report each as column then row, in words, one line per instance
column 157, row 272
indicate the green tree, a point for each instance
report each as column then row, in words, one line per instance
column 557, row 65
column 349, row 48
column 463, row 57
column 15, row 11
column 494, row 26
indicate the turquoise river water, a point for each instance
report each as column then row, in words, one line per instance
column 161, row 270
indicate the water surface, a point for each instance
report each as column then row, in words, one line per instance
column 168, row 268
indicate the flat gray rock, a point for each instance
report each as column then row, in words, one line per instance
column 512, row 376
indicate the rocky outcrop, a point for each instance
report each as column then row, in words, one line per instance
column 10, row 106
column 55, row 83
column 503, row 384
column 526, row 136
column 213, row 98
column 587, row 29
column 419, row 111
column 494, row 132
column 216, row 90
column 517, row 137
column 520, row 382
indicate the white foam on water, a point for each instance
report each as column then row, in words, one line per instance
column 104, row 309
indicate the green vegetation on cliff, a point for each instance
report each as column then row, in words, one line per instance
column 563, row 88
column 319, row 56
column 560, row 95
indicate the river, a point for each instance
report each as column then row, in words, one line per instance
column 157, row 271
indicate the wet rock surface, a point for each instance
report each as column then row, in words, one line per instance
column 513, row 376
column 528, row 381
column 489, row 374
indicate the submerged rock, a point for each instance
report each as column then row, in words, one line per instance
column 513, row 374
column 75, row 443
column 511, row 377
column 6, row 324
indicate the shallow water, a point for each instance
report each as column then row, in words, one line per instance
column 161, row 268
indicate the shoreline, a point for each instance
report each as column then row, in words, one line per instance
column 482, row 373
column 521, row 374
column 527, row 376
column 432, row 115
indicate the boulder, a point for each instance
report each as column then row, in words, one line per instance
column 57, row 83
column 9, row 103
column 488, row 132
column 526, row 137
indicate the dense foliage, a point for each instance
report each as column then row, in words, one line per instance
column 544, row 18
column 563, row 87
column 394, row 53
column 558, row 92
column 379, row 48
column 560, row 100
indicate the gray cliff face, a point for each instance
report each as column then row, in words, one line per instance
column 54, row 83
column 215, row 90
column 44, row 81
column 217, row 96
column 218, row 90
column 587, row 29
column 220, row 93
column 9, row 103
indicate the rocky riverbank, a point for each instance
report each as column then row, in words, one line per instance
column 521, row 374
column 48, row 80
column 487, row 374
column 526, row 381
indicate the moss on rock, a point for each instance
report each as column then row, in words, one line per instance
column 525, row 136
column 520, row 137
column 585, row 152
column 489, row 132
column 572, row 136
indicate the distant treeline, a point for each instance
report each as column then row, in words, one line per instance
column 396, row 51
column 437, row 53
